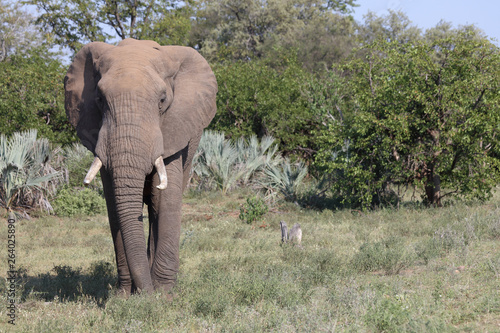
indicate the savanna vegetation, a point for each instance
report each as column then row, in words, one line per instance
column 379, row 138
column 414, row 269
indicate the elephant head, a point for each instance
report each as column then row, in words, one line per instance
column 135, row 106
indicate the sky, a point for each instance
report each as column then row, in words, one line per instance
column 425, row 14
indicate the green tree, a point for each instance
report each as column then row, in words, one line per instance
column 76, row 22
column 255, row 98
column 32, row 96
column 253, row 29
column 444, row 30
column 17, row 33
column 395, row 26
column 417, row 120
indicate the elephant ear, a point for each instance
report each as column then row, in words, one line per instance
column 80, row 93
column 194, row 89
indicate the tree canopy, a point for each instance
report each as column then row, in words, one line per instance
column 245, row 30
column 32, row 96
column 73, row 23
column 416, row 119
column 17, row 33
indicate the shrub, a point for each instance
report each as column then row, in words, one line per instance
column 253, row 210
column 254, row 98
column 73, row 201
column 214, row 161
column 32, row 96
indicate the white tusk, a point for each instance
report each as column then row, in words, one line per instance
column 94, row 169
column 162, row 173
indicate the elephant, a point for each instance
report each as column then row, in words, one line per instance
column 140, row 108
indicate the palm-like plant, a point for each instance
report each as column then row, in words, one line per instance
column 215, row 159
column 254, row 156
column 24, row 172
column 284, row 178
column 226, row 164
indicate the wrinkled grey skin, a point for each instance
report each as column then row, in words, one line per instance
column 132, row 104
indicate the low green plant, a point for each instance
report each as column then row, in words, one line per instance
column 74, row 201
column 253, row 210
column 387, row 315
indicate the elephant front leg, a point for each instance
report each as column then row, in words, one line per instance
column 165, row 226
column 125, row 283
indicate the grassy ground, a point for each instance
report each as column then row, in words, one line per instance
column 415, row 270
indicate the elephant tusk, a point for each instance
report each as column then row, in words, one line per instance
column 162, row 173
column 94, row 169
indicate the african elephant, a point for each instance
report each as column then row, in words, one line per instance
column 140, row 108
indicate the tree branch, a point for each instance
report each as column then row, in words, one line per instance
column 479, row 99
column 133, row 17
column 118, row 26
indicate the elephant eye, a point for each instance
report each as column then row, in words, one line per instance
column 161, row 103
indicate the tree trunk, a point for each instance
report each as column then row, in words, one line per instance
column 433, row 190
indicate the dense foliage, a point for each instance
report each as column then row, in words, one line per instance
column 85, row 202
column 379, row 109
column 255, row 98
column 422, row 115
column 32, row 96
column 74, row 23
column 255, row 29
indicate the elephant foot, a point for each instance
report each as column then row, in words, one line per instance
column 165, row 289
column 125, row 290
column 123, row 293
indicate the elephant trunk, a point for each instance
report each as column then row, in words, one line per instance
column 128, row 192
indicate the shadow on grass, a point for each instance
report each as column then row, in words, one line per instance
column 69, row 284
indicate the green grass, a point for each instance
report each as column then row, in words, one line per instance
column 407, row 270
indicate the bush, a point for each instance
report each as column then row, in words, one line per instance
column 73, row 201
column 253, row 210
column 412, row 121
column 284, row 178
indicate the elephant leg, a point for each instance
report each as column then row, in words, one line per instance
column 187, row 158
column 125, row 283
column 165, row 226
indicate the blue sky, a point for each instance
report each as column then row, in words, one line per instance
column 427, row 13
